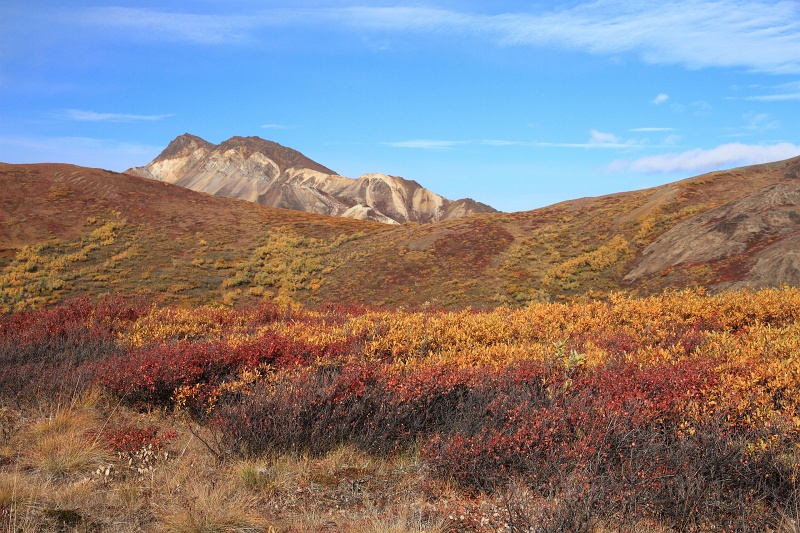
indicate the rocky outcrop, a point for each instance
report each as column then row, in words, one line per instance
column 754, row 240
column 265, row 172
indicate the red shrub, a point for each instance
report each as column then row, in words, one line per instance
column 49, row 353
column 130, row 439
column 149, row 376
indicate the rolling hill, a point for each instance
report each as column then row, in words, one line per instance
column 67, row 230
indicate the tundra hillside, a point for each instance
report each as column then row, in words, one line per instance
column 68, row 231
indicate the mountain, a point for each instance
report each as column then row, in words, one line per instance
column 67, row 231
column 251, row 168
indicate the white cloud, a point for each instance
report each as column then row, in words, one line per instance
column 660, row 99
column 671, row 140
column 91, row 116
column 599, row 138
column 701, row 160
column 274, row 126
column 425, row 144
column 757, row 35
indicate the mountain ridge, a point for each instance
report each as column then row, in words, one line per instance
column 268, row 173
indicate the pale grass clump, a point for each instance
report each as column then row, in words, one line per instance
column 409, row 523
column 350, row 459
column 790, row 521
column 62, row 445
column 18, row 496
column 15, row 489
column 406, row 516
column 194, row 493
column 278, row 475
column 49, row 480
column 203, row 506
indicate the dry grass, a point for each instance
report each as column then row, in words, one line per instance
column 48, row 484
column 273, row 477
column 58, row 474
column 406, row 524
column 203, row 506
column 790, row 522
column 63, row 445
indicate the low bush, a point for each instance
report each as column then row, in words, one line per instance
column 50, row 353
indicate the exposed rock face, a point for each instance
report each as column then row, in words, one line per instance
column 265, row 172
column 756, row 238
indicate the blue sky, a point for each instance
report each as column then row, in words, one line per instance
column 516, row 104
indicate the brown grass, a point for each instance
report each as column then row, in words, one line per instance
column 57, row 473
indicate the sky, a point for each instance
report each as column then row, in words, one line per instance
column 517, row 104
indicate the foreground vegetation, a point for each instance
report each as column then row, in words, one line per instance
column 677, row 412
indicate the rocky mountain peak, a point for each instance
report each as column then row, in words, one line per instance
column 284, row 157
column 262, row 171
column 184, row 145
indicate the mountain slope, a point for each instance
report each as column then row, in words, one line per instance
column 754, row 239
column 267, row 173
column 68, row 230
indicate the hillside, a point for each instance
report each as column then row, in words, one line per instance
column 251, row 168
column 67, row 230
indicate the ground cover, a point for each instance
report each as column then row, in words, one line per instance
column 675, row 412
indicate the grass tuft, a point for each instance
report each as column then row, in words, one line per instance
column 202, row 507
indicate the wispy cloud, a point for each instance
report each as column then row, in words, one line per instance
column 776, row 97
column 701, row 108
column 754, row 124
column 761, row 122
column 780, row 93
column 274, row 126
column 597, row 139
column 144, row 23
column 660, row 99
column 757, row 35
column 647, row 130
column 702, row 160
column 500, row 142
column 426, row 144
column 92, row 116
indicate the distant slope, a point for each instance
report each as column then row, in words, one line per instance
column 267, row 173
column 67, row 230
column 754, row 239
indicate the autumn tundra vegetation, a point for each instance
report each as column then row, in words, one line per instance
column 673, row 412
